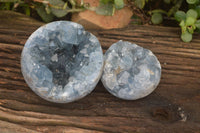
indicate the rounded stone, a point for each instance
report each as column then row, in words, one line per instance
column 130, row 71
column 61, row 62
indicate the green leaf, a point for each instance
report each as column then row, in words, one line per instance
column 191, row 1
column 198, row 10
column 105, row 9
column 194, row 27
column 57, row 8
column 119, row 4
column 182, row 23
column 156, row 18
column 140, row 3
column 190, row 21
column 192, row 13
column 180, row 15
column 42, row 13
column 197, row 24
column 186, row 37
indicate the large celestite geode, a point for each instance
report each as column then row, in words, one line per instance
column 130, row 71
column 61, row 62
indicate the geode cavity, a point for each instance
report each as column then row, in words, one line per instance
column 61, row 62
column 130, row 71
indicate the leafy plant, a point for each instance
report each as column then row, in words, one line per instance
column 159, row 12
column 49, row 9
column 46, row 9
column 107, row 7
column 189, row 21
column 156, row 18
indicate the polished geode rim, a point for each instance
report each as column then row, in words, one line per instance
column 104, row 80
column 91, row 85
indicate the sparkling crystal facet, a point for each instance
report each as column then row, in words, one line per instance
column 130, row 71
column 61, row 62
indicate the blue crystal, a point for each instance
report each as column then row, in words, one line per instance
column 130, row 71
column 61, row 62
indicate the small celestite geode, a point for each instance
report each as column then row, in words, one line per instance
column 130, row 71
column 61, row 62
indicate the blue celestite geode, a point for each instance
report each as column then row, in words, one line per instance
column 61, row 62
column 130, row 71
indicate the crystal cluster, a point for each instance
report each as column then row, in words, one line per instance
column 61, row 62
column 130, row 71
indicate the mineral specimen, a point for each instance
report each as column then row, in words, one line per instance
column 130, row 71
column 61, row 62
